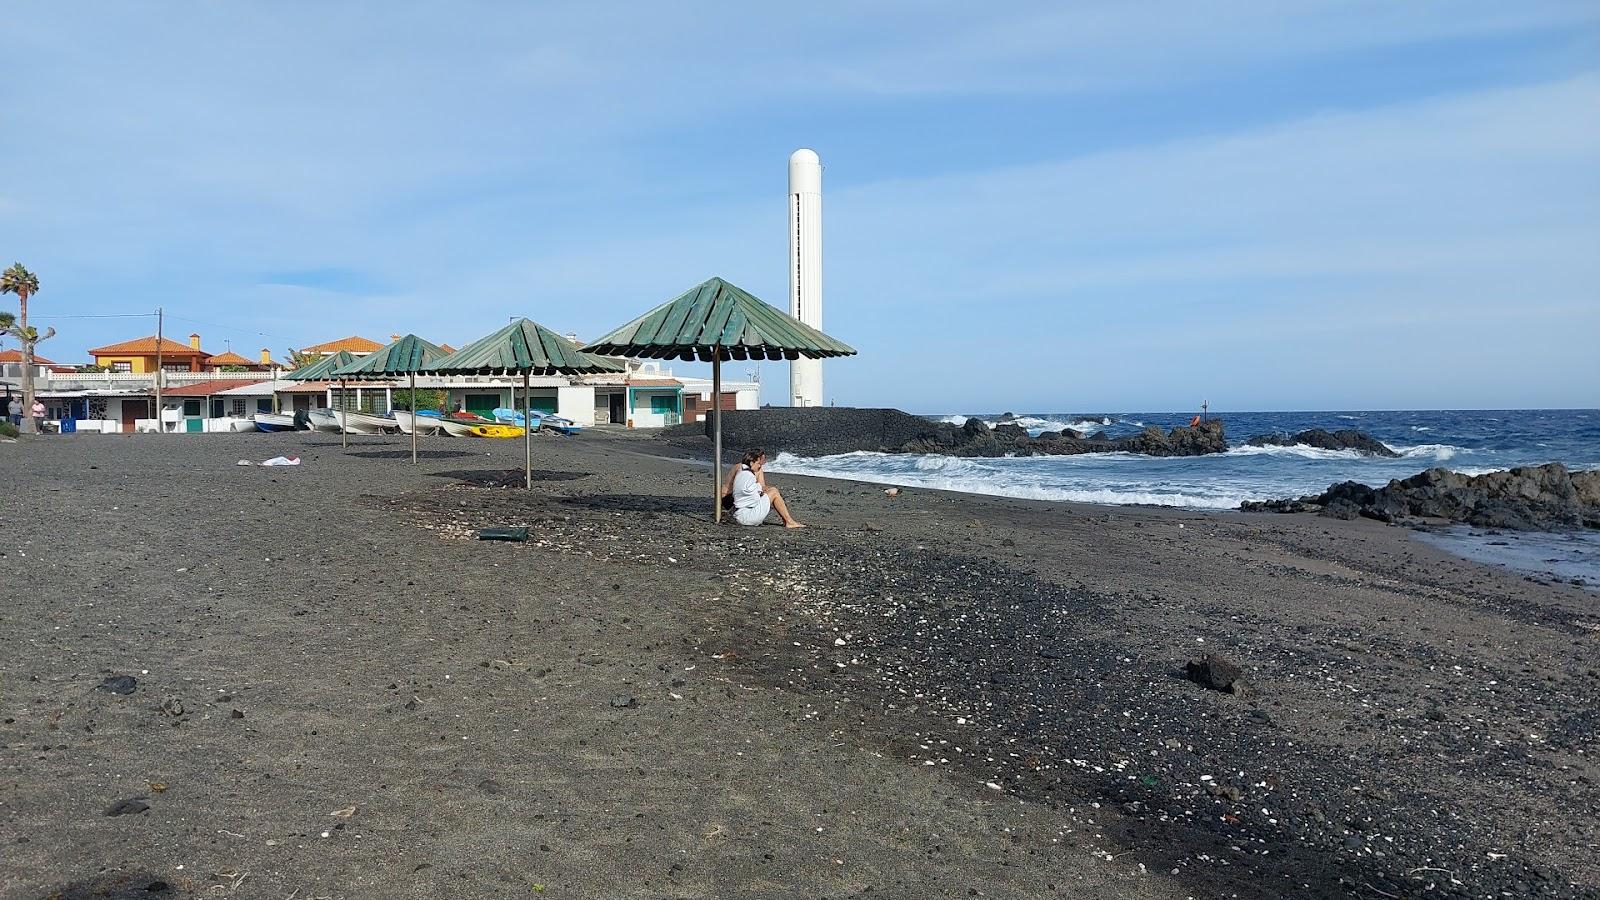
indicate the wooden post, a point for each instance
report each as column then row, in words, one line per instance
column 344, row 416
column 716, row 429
column 413, row 418
column 160, row 320
column 527, row 434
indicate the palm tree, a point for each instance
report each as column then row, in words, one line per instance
column 18, row 280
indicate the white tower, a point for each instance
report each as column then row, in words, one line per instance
column 805, row 268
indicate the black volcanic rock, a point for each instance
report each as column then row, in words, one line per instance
column 1343, row 439
column 1529, row 498
column 827, row 430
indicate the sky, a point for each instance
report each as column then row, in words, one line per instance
column 1052, row 206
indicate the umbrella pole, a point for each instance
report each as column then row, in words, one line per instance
column 716, row 428
column 413, row 418
column 527, row 436
column 344, row 416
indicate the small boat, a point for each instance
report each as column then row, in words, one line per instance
column 324, row 419
column 497, row 431
column 422, row 422
column 367, row 423
column 241, row 425
column 274, row 422
column 461, row 426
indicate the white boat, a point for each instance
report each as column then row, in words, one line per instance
column 241, row 425
column 423, row 424
column 324, row 419
column 367, row 423
column 460, row 427
column 266, row 421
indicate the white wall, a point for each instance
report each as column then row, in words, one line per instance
column 576, row 402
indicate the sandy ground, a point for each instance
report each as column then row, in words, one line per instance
column 340, row 693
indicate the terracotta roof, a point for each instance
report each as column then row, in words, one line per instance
column 207, row 388
column 447, row 348
column 146, row 346
column 318, row 387
column 654, row 382
column 230, row 358
column 354, row 343
column 15, row 356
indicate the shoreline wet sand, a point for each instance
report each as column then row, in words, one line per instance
column 926, row 695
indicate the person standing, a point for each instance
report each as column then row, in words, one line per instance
column 38, row 417
column 14, row 410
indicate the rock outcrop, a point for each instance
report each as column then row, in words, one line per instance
column 1530, row 498
column 974, row 438
column 826, row 430
column 1344, row 439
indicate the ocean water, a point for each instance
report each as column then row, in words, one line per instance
column 1467, row 441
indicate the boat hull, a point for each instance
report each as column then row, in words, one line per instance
column 274, row 422
column 323, row 419
column 461, row 427
column 366, row 423
column 422, row 424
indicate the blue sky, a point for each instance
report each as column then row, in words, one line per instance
column 1100, row 205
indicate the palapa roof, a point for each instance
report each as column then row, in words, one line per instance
column 522, row 346
column 146, row 346
column 321, row 369
column 716, row 318
column 405, row 356
column 355, row 343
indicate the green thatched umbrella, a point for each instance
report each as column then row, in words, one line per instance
column 527, row 348
column 322, row 370
column 406, row 356
column 711, row 322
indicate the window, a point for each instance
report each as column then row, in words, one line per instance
column 264, row 404
column 236, row 408
column 122, row 365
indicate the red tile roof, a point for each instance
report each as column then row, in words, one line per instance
column 207, row 388
column 230, row 358
column 354, row 343
column 15, row 356
column 146, row 346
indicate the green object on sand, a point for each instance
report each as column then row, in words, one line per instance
column 503, row 534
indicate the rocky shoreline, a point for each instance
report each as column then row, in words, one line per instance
column 1528, row 498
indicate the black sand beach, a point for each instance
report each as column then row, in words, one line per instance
column 340, row 693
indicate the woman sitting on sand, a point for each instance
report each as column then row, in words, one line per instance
column 750, row 496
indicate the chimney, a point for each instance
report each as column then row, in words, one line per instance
column 266, row 357
column 394, row 337
column 194, row 341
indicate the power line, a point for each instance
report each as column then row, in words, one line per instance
column 223, row 327
column 148, row 315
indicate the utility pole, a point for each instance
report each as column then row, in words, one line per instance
column 160, row 320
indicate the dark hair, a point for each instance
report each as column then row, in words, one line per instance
column 751, row 455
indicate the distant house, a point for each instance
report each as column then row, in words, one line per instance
column 11, row 365
column 231, row 361
column 196, row 407
column 355, row 344
column 139, row 355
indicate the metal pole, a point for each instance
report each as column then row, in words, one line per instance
column 344, row 417
column 413, row 418
column 716, row 428
column 527, row 434
column 160, row 427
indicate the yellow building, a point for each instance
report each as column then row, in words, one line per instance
column 139, row 355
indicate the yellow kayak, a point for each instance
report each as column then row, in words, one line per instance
column 497, row 431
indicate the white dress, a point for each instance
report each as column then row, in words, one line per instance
column 750, row 503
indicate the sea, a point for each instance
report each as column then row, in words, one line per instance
column 1469, row 441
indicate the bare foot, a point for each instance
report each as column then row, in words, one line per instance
column 793, row 525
